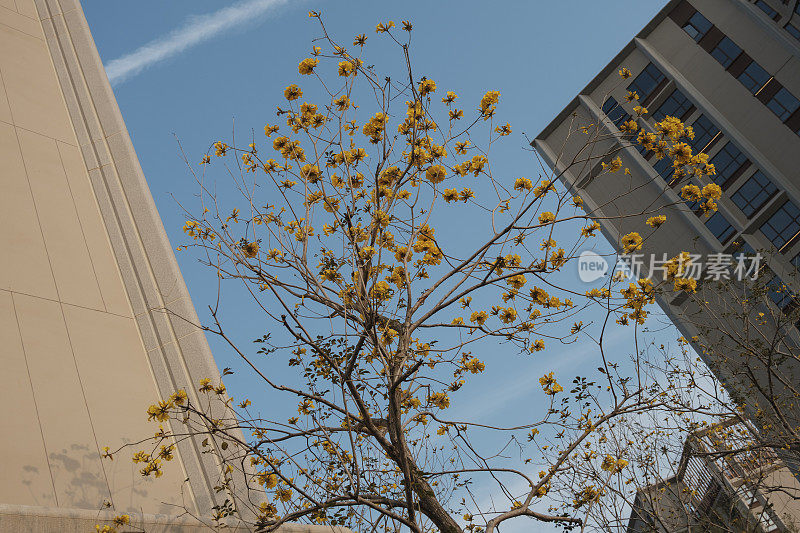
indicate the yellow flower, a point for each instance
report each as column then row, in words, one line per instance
column 267, row 480
column 656, row 221
column 624, row 73
column 516, row 281
column 588, row 231
column 508, row 315
column 613, row 465
column 292, row 92
column 550, row 385
column 690, row 192
column 631, row 242
column 426, row 87
column 307, row 65
column 439, row 399
column 538, row 345
column 479, row 317
column 178, row 397
column 488, row 104
column 450, row 195
column 250, row 249
column 384, row 27
column 546, row 217
column 545, row 187
column 712, row 191
column 436, row 173
column 612, row 166
column 346, row 68
column 474, row 365
column 283, row 495
column 685, row 284
column 449, row 98
column 523, row 184
column 159, row 411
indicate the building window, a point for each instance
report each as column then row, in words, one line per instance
column 697, row 26
column 779, row 293
column 796, row 261
column 744, row 249
column 783, row 225
column 792, row 29
column 716, row 223
column 720, row 227
column 615, row 112
column 783, row 104
column 727, row 162
column 676, row 105
column 664, row 168
column 754, row 77
column 726, row 52
column 704, row 131
column 754, row 194
column 646, row 82
column 763, row 6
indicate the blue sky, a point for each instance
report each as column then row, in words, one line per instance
column 537, row 53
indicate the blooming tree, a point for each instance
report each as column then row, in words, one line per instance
column 343, row 234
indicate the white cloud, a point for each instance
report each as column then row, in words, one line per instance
column 195, row 30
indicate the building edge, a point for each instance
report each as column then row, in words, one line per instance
column 177, row 349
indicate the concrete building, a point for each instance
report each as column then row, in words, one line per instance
column 713, row 490
column 95, row 319
column 731, row 70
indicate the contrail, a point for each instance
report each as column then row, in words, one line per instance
column 195, row 30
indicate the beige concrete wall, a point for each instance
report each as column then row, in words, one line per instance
column 76, row 373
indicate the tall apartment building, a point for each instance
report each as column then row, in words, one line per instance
column 96, row 322
column 731, row 70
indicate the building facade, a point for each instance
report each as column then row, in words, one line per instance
column 731, row 70
column 717, row 491
column 96, row 323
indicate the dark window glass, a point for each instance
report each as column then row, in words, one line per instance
column 797, row 8
column 754, row 77
column 639, row 148
column 614, row 111
column 727, row 162
column 796, row 261
column 754, row 194
column 664, row 168
column 726, row 51
column 676, row 105
column 704, row 131
column 763, row 6
column 783, row 104
column 744, row 249
column 720, row 227
column 792, row 29
column 697, row 26
column 717, row 223
column 783, row 225
column 646, row 81
column 779, row 293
